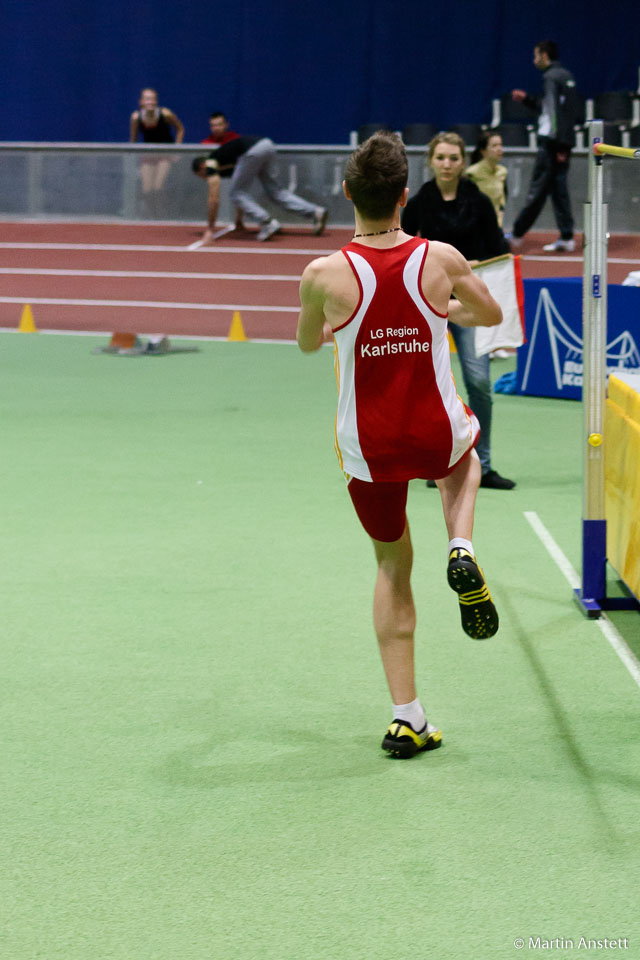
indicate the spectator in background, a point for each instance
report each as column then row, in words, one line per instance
column 450, row 208
column 487, row 172
column 247, row 160
column 220, row 133
column 157, row 125
column 557, row 114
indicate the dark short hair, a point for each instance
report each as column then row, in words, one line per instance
column 550, row 47
column 197, row 164
column 217, row 113
column 376, row 175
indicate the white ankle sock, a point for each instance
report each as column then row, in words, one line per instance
column 412, row 713
column 460, row 542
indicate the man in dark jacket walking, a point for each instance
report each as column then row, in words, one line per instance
column 556, row 116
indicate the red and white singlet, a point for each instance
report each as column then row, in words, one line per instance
column 399, row 415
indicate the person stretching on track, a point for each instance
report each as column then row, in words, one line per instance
column 245, row 160
column 386, row 298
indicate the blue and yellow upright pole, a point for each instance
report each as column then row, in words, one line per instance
column 592, row 595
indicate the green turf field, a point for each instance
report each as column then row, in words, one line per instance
column 192, row 701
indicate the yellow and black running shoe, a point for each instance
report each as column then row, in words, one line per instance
column 477, row 611
column 402, row 741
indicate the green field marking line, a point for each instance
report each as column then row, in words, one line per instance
column 173, row 336
column 571, row 576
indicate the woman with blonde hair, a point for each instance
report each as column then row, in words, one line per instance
column 156, row 125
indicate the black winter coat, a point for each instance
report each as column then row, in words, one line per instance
column 468, row 222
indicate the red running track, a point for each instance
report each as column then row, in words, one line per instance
column 46, row 265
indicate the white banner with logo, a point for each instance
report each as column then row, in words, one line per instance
column 503, row 277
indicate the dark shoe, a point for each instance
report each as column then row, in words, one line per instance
column 431, row 483
column 402, row 741
column 494, row 481
column 477, row 612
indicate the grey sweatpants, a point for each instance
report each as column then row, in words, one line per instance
column 258, row 163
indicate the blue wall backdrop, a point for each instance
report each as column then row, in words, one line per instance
column 299, row 72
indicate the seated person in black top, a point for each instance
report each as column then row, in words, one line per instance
column 245, row 160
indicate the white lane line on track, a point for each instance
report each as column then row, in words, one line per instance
column 547, row 259
column 618, row 643
column 257, row 249
column 222, row 232
column 151, row 248
column 154, row 304
column 155, row 274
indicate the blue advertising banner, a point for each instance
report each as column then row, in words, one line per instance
column 550, row 362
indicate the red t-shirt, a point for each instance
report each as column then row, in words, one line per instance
column 225, row 138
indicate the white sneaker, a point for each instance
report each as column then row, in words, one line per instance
column 560, row 246
column 320, row 218
column 268, row 229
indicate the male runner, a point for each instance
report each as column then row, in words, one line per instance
column 386, row 297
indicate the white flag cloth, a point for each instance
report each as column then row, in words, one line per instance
column 503, row 277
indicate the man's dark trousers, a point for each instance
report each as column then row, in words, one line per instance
column 549, row 178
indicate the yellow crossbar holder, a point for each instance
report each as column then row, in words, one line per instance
column 607, row 149
column 236, row 330
column 27, row 323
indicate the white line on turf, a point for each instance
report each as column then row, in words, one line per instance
column 172, row 336
column 150, row 304
column 609, row 631
column 570, row 574
column 155, row 274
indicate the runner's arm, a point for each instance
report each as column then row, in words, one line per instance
column 175, row 122
column 311, row 320
column 213, row 200
column 478, row 308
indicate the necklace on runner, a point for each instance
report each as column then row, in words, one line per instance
column 377, row 232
